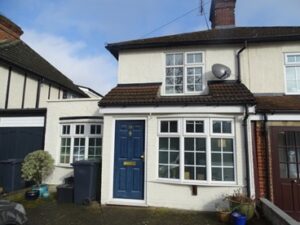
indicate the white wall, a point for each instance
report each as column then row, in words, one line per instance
column 16, row 90
column 263, row 64
column 3, row 85
column 260, row 64
column 55, row 110
column 166, row 194
column 142, row 66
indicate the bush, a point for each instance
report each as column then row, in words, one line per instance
column 37, row 166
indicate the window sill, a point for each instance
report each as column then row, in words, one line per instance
column 192, row 183
column 61, row 165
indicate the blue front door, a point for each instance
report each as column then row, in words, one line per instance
column 129, row 159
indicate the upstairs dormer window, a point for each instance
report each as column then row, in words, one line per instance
column 184, row 73
column 292, row 72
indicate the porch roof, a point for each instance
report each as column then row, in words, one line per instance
column 284, row 103
column 148, row 94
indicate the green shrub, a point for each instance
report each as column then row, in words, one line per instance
column 37, row 166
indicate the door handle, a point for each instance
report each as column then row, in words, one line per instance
column 294, row 181
column 142, row 157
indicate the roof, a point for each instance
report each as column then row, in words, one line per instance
column 21, row 55
column 147, row 94
column 232, row 35
column 89, row 89
column 269, row 104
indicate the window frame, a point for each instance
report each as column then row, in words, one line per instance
column 72, row 135
column 206, row 134
column 290, row 64
column 185, row 67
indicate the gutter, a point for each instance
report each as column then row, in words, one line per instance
column 239, row 61
column 245, row 126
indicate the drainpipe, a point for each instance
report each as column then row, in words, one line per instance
column 245, row 126
column 239, row 61
column 267, row 155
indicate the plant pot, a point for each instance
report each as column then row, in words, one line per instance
column 42, row 188
column 246, row 208
column 32, row 194
column 224, row 216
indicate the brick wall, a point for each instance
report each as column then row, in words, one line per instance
column 262, row 165
column 222, row 13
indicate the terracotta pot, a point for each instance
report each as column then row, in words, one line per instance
column 224, row 217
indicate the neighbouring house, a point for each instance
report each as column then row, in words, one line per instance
column 177, row 136
column 40, row 108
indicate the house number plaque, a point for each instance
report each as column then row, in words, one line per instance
column 129, row 163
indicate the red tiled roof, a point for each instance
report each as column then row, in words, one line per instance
column 220, row 93
column 278, row 103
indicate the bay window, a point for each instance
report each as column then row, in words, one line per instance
column 80, row 141
column 184, row 73
column 196, row 150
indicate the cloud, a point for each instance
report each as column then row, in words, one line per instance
column 94, row 71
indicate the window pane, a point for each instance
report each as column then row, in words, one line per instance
column 292, row 156
column 190, row 88
column 163, row 144
column 216, row 174
column 95, row 129
column 226, row 127
column 200, row 144
column 201, row 159
column 291, row 73
column 190, row 58
column 200, row 173
column 282, row 155
column 174, row 144
column 297, row 58
column 163, row 157
column 174, row 157
column 228, row 159
column 66, row 129
column 216, row 144
column 173, row 126
column 189, row 126
column 216, row 126
column 291, row 58
column 178, row 59
column 79, row 129
column 179, row 71
column 179, row 89
column 170, row 72
column 283, row 170
column 198, row 58
column 170, row 89
column 189, row 144
column 293, row 170
column 189, row 173
column 189, row 158
column 164, row 126
column 227, row 145
column 199, row 126
column 169, row 59
column 174, row 172
column 228, row 174
column 163, row 171
column 291, row 86
column 216, row 159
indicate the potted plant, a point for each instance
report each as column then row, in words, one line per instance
column 37, row 167
column 224, row 215
column 238, row 201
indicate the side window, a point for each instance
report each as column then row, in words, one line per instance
column 292, row 72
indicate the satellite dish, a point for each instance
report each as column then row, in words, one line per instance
column 221, row 71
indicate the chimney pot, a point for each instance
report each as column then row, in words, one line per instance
column 222, row 13
column 9, row 30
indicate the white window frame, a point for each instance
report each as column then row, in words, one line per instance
column 185, row 67
column 86, row 135
column 206, row 134
column 290, row 64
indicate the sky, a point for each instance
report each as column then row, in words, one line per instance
column 72, row 34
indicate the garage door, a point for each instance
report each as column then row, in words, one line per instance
column 17, row 142
column 20, row 136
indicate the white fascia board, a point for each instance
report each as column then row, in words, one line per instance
column 173, row 109
column 22, row 121
column 276, row 117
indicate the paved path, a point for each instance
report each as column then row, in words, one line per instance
column 51, row 213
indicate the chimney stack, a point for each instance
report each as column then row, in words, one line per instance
column 9, row 30
column 222, row 13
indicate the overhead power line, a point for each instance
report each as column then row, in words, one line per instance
column 201, row 7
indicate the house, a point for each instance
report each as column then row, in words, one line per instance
column 177, row 136
column 41, row 108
